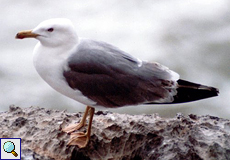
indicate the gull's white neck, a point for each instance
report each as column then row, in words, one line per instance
column 50, row 61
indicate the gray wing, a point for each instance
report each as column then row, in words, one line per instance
column 113, row 78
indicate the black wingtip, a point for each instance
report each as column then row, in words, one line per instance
column 188, row 91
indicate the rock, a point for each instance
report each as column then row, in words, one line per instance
column 117, row 136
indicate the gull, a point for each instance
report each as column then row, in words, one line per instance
column 98, row 74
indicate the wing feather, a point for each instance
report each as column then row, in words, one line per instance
column 113, row 78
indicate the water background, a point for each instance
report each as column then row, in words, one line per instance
column 190, row 37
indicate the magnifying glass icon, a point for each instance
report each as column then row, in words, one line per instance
column 9, row 147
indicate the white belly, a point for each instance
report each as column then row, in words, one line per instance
column 50, row 66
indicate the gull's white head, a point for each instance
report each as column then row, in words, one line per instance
column 52, row 33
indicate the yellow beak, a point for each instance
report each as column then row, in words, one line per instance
column 26, row 34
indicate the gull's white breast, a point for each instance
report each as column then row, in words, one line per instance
column 50, row 64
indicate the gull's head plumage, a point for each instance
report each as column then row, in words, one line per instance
column 56, row 32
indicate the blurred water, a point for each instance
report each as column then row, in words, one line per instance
column 190, row 37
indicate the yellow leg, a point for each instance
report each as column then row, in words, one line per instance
column 91, row 114
column 81, row 139
column 74, row 127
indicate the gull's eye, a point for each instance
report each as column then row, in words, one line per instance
column 50, row 30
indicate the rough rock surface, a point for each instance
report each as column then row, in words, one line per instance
column 118, row 136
